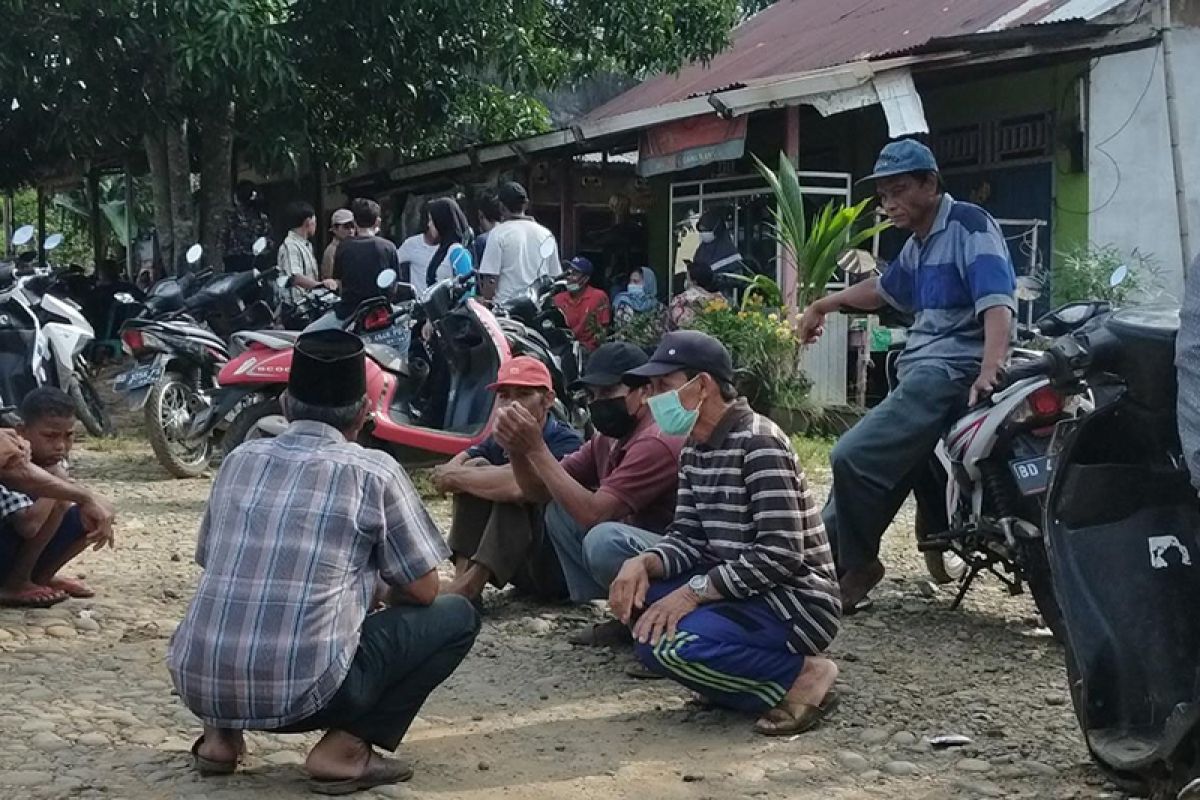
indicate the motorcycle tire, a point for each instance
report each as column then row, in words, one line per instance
column 242, row 424
column 90, row 408
column 943, row 567
column 1036, row 565
column 178, row 465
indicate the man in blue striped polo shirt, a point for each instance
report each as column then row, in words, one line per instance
column 956, row 277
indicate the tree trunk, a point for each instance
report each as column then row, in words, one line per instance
column 179, row 175
column 216, row 180
column 156, row 154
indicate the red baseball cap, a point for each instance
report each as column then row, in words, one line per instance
column 523, row 371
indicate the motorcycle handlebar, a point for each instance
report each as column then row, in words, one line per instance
column 1029, row 369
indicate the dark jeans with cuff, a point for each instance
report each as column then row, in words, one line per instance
column 404, row 654
column 509, row 540
column 875, row 463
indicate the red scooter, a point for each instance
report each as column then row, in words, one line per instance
column 429, row 395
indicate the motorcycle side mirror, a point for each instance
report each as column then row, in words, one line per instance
column 1118, row 276
column 857, row 262
column 547, row 248
column 193, row 254
column 52, row 241
column 1029, row 288
column 260, row 246
column 23, row 235
column 124, row 297
column 386, row 279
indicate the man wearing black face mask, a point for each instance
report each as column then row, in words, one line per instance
column 628, row 472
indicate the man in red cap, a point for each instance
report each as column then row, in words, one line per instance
column 497, row 533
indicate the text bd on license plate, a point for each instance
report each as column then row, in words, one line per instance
column 1031, row 474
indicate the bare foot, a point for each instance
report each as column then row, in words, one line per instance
column 223, row 745
column 31, row 595
column 71, row 586
column 338, row 756
column 469, row 584
column 857, row 584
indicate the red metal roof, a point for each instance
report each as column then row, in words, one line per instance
column 795, row 36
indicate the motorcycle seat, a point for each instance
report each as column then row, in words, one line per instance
column 388, row 358
column 275, row 340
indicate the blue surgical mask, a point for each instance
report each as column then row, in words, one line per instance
column 670, row 415
column 636, row 288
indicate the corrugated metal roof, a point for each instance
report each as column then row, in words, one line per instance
column 796, row 36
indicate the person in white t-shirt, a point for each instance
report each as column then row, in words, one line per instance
column 518, row 251
column 416, row 251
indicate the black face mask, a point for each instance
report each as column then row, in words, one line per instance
column 611, row 417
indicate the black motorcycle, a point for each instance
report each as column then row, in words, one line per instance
column 1121, row 527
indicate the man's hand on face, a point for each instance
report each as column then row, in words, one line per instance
column 517, row 431
column 98, row 515
column 627, row 594
column 662, row 618
column 985, row 384
column 14, row 450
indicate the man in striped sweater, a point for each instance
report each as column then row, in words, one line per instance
column 740, row 598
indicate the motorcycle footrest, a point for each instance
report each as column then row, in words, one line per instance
column 933, row 546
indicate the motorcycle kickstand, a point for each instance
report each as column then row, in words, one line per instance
column 965, row 585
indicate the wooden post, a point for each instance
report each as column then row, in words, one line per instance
column 788, row 277
column 566, row 211
column 41, row 225
column 93, row 189
column 9, row 224
column 130, row 227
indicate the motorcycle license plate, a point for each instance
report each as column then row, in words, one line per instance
column 139, row 377
column 396, row 337
column 1031, row 474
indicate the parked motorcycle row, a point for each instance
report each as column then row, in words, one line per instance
column 44, row 337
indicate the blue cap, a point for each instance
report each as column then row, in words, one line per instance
column 581, row 264
column 901, row 158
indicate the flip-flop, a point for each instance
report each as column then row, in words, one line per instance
column 208, row 767
column 866, row 604
column 35, row 599
column 380, row 772
column 786, row 723
column 74, row 588
column 639, row 671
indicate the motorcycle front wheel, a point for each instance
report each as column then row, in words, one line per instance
column 1036, row 566
column 90, row 408
column 243, row 423
column 169, row 410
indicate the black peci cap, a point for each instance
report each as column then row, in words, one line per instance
column 688, row 350
column 328, row 369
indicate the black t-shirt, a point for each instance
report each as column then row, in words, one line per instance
column 357, row 265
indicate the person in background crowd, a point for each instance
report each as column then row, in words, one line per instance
column 448, row 231
column 496, row 534
column 100, row 306
column 415, row 254
column 298, row 531
column 956, row 275
column 244, row 225
column 488, row 215
column 638, row 316
column 585, row 307
column 341, row 227
column 692, row 300
column 627, row 472
column 40, row 534
column 717, row 248
column 519, row 251
column 740, row 599
column 358, row 262
column 296, row 254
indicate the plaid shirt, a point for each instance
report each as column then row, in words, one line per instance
column 11, row 502
column 294, row 534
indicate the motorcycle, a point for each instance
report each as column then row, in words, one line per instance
column 45, row 338
column 178, row 353
column 429, row 399
column 1121, row 529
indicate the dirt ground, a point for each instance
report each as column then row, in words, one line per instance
column 87, row 711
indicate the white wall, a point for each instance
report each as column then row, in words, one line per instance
column 1131, row 183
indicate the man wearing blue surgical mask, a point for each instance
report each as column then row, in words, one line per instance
column 739, row 599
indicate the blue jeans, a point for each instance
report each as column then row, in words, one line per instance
column 875, row 463
column 590, row 559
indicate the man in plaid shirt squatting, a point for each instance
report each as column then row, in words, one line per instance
column 279, row 636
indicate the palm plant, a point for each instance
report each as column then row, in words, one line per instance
column 814, row 247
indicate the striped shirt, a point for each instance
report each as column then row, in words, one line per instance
column 745, row 512
column 949, row 279
column 296, row 530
